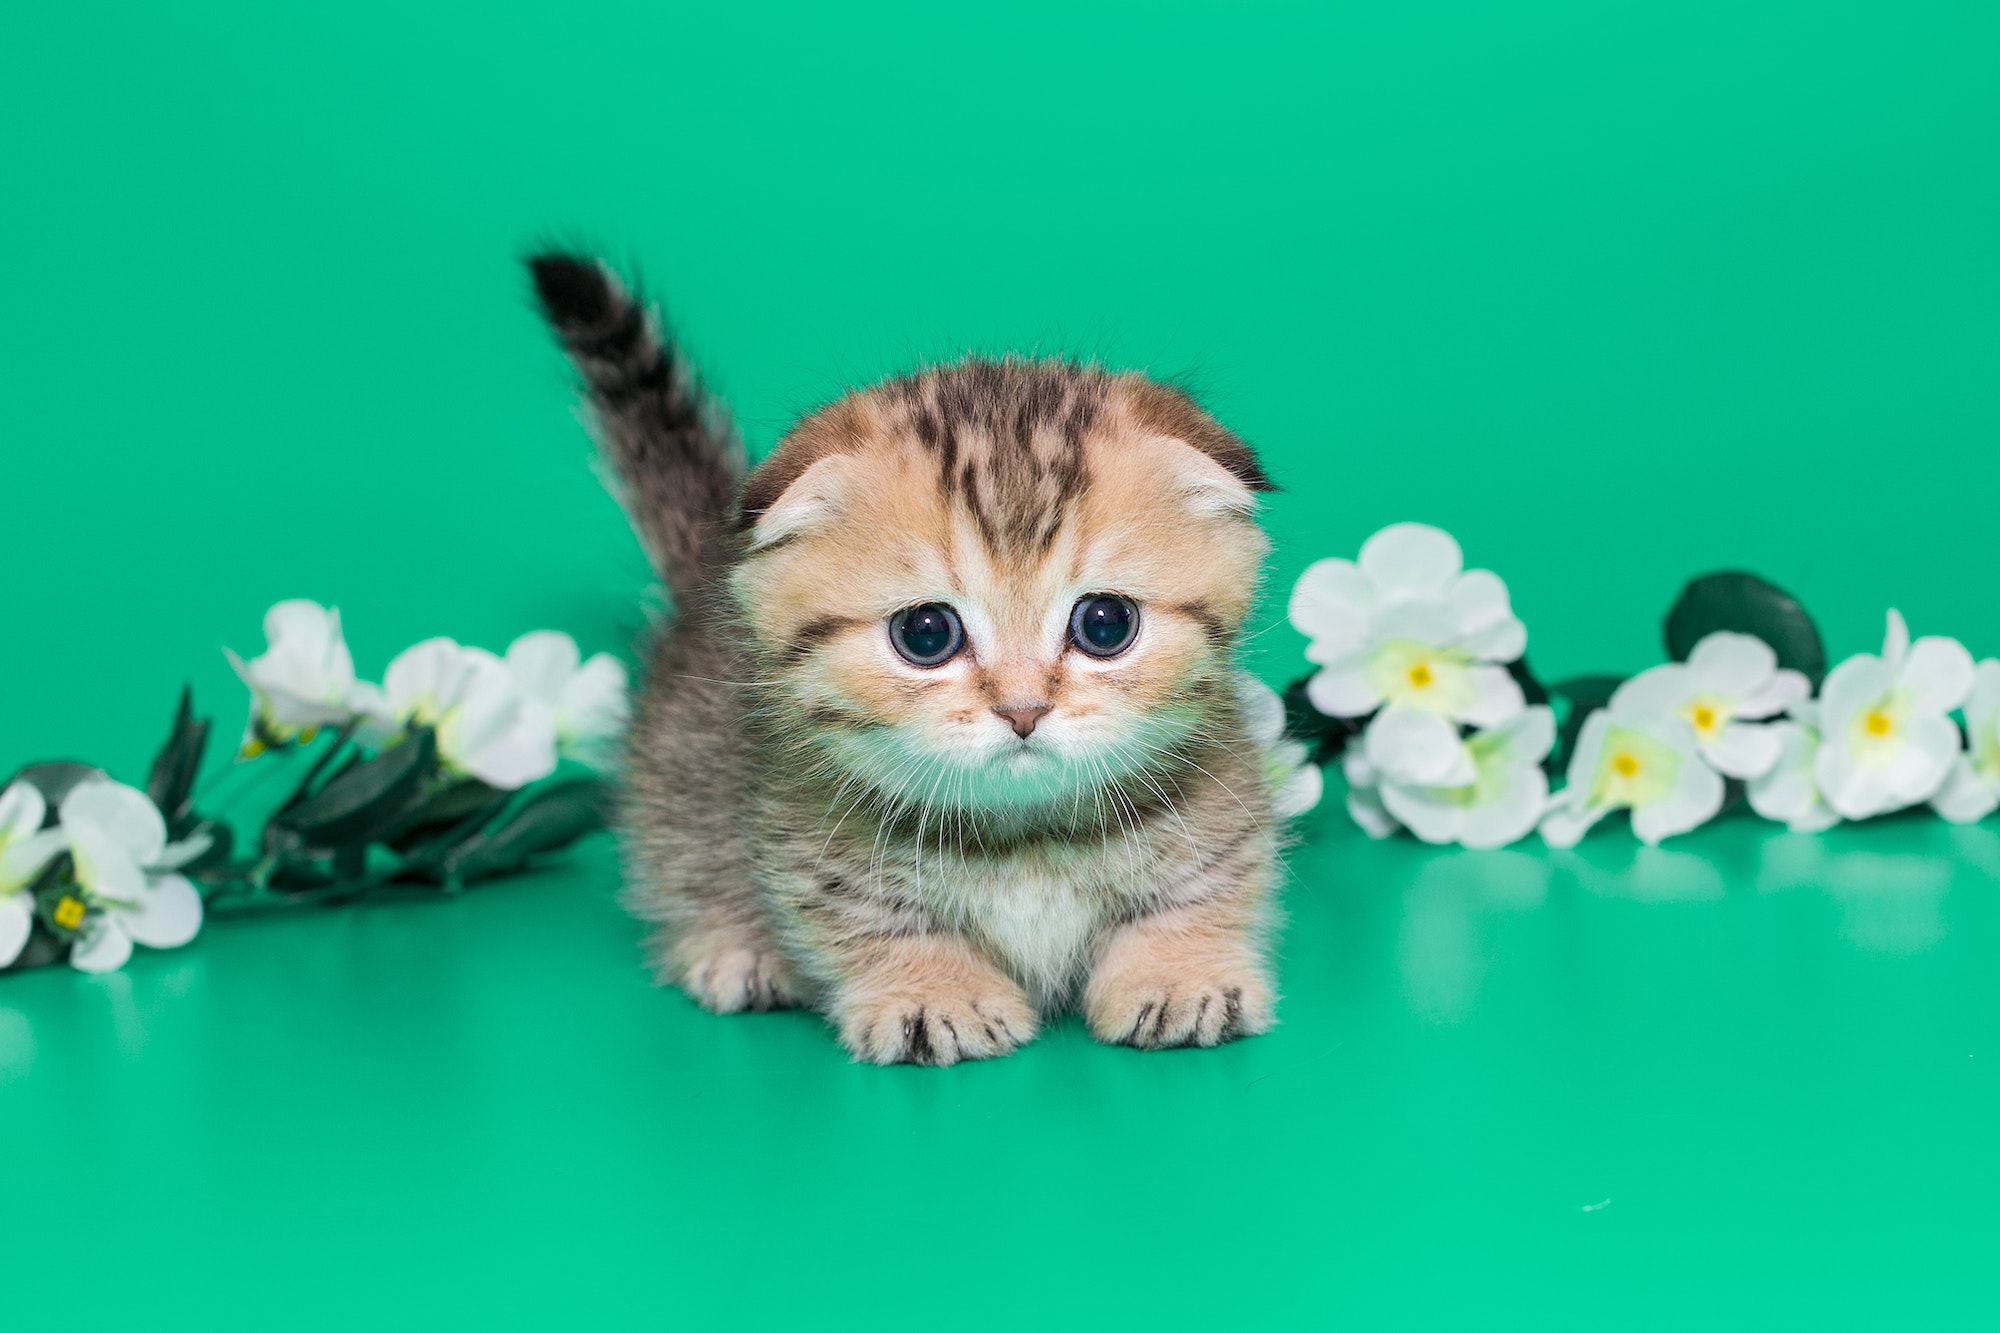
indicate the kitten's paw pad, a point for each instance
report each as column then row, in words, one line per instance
column 1157, row 1011
column 937, row 1029
column 730, row 980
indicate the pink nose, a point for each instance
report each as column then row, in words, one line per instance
column 1024, row 719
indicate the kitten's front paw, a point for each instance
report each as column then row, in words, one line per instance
column 732, row 978
column 1156, row 1007
column 939, row 1026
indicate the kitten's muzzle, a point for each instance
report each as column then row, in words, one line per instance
column 1023, row 717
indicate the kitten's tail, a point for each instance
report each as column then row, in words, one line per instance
column 678, row 463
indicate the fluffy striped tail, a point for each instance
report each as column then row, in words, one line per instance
column 678, row 463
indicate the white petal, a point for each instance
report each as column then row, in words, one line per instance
column 17, row 922
column 1528, row 737
column 1937, row 673
column 596, row 702
column 1854, row 790
column 1693, row 801
column 1734, row 666
column 1330, row 604
column 1354, row 767
column 118, row 815
column 1982, row 707
column 1415, row 748
column 1896, row 641
column 1930, row 747
column 168, row 916
column 1785, row 689
column 1742, row 750
column 1509, row 811
column 102, row 946
column 432, row 673
column 1583, row 760
column 495, row 735
column 22, row 809
column 1263, row 710
column 1427, row 620
column 1343, row 691
column 1406, row 558
column 24, row 857
column 1299, row 792
column 1785, row 791
column 177, row 854
column 1856, row 684
column 1487, row 628
column 1565, row 823
column 1365, row 808
column 1657, row 692
column 1496, row 697
column 542, row 663
column 1965, row 798
column 1431, row 814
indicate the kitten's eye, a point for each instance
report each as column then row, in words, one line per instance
column 927, row 635
column 1104, row 624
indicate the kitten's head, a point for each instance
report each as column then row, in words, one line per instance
column 1001, row 584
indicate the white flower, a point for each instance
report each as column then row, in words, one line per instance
column 1972, row 791
column 1727, row 680
column 1364, row 795
column 124, row 872
column 1787, row 791
column 585, row 701
column 1409, row 631
column 1504, row 798
column 304, row 679
column 1296, row 785
column 1885, row 742
column 485, row 727
column 24, row 850
column 1650, row 765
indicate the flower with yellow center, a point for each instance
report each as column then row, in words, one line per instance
column 1728, row 682
column 1503, row 798
column 1407, row 633
column 1650, row 766
column 303, row 680
column 126, row 880
column 1885, row 740
column 486, row 727
column 24, row 850
column 1787, row 791
column 1972, row 791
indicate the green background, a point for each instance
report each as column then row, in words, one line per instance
column 1617, row 294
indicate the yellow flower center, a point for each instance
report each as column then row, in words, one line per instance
column 1420, row 675
column 1877, row 723
column 1626, row 765
column 251, row 749
column 1704, row 717
column 69, row 912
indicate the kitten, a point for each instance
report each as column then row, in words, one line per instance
column 943, row 738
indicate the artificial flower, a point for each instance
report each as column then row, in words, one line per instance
column 126, row 888
column 1787, row 791
column 1649, row 765
column 584, row 700
column 1408, row 630
column 1885, row 742
column 1727, row 682
column 485, row 727
column 1972, row 791
column 303, row 679
column 1504, row 798
column 1364, row 795
column 1295, row 782
column 24, row 851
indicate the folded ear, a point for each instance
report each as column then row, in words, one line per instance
column 1209, row 486
column 790, row 500
column 1167, row 411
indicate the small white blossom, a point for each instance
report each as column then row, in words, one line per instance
column 1885, row 739
column 1651, row 766
column 1787, row 791
column 1295, row 783
column 485, row 726
column 1364, row 795
column 1972, row 791
column 585, row 701
column 303, row 679
column 1728, row 681
column 1504, row 797
column 24, row 850
column 1408, row 630
column 124, row 870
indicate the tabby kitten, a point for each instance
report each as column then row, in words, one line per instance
column 942, row 739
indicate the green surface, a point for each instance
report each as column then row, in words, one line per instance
column 1616, row 294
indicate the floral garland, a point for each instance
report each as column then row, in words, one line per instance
column 1424, row 694
column 446, row 774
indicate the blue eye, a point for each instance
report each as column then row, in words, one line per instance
column 1104, row 624
column 927, row 635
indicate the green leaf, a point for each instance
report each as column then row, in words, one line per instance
column 1532, row 689
column 171, row 782
column 470, row 802
column 365, row 797
column 1746, row 604
column 552, row 818
column 54, row 780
